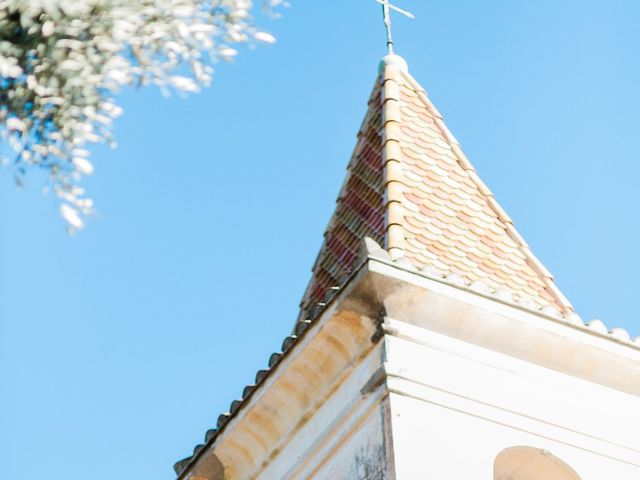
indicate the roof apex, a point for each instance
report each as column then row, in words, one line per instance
column 393, row 60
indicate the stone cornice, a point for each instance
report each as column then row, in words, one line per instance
column 315, row 360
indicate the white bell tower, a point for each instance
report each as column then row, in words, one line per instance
column 431, row 344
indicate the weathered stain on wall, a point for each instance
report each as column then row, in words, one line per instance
column 369, row 464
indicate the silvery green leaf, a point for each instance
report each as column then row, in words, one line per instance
column 76, row 54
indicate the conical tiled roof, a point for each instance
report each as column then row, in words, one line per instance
column 410, row 187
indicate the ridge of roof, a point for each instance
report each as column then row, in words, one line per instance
column 410, row 187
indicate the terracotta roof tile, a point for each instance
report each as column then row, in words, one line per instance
column 360, row 210
column 442, row 215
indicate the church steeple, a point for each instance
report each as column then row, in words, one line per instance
column 410, row 187
column 395, row 373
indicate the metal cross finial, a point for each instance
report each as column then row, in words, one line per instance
column 386, row 15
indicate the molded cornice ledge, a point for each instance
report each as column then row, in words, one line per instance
column 387, row 298
column 457, row 311
column 295, row 388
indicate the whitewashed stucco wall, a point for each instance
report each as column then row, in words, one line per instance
column 455, row 406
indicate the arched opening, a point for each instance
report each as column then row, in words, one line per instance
column 528, row 463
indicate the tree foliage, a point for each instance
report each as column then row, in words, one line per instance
column 63, row 61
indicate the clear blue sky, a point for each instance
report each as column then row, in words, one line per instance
column 120, row 346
